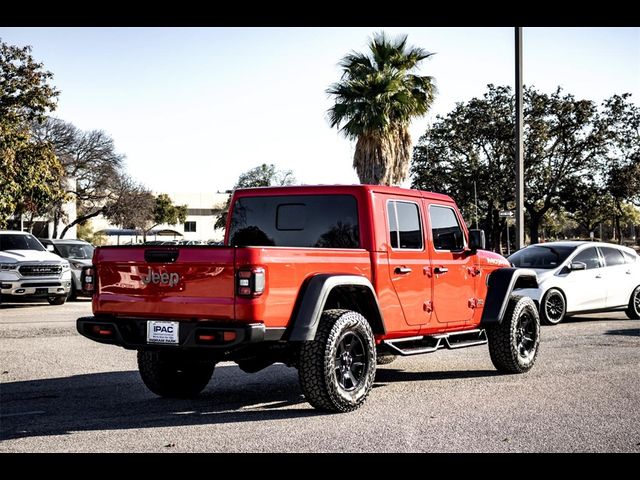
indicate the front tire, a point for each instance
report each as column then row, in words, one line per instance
column 57, row 299
column 337, row 368
column 553, row 307
column 633, row 311
column 513, row 343
column 173, row 375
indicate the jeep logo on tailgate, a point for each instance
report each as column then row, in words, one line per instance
column 164, row 278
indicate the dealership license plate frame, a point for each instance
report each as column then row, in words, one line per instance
column 162, row 332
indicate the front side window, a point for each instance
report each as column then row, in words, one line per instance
column 317, row 221
column 405, row 230
column 446, row 231
column 589, row 257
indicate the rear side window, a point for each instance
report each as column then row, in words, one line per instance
column 612, row 256
column 405, row 230
column 321, row 221
column 447, row 234
column 630, row 257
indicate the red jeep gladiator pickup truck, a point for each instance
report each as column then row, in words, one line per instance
column 328, row 279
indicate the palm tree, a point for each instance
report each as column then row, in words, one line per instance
column 376, row 98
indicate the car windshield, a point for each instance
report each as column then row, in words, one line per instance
column 15, row 241
column 76, row 252
column 541, row 256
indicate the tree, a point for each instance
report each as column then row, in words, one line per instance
column 375, row 100
column 28, row 170
column 261, row 176
column 570, row 152
column 133, row 204
column 91, row 166
column 164, row 211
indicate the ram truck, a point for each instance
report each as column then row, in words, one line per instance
column 331, row 280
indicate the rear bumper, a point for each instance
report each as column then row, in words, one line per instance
column 130, row 333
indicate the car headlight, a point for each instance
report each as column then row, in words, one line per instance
column 8, row 266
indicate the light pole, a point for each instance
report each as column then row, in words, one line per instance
column 519, row 144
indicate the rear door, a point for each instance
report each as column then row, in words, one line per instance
column 452, row 267
column 159, row 281
column 409, row 259
column 618, row 281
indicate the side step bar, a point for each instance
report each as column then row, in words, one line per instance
column 431, row 343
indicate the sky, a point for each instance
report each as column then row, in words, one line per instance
column 193, row 108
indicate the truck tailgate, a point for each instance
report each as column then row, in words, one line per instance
column 169, row 282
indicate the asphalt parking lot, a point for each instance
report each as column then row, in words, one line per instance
column 60, row 392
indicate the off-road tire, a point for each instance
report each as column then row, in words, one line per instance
column 56, row 299
column 171, row 375
column 322, row 367
column 633, row 311
column 385, row 359
column 514, row 343
column 553, row 307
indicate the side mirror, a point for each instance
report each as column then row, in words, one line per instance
column 50, row 248
column 577, row 266
column 477, row 240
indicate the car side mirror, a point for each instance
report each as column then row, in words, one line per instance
column 577, row 266
column 50, row 248
column 477, row 240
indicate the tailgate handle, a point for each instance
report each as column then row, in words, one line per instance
column 161, row 256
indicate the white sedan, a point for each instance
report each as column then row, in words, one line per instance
column 581, row 277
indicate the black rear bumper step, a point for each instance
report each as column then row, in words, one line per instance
column 130, row 333
column 430, row 343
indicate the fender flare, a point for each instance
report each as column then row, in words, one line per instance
column 313, row 297
column 501, row 284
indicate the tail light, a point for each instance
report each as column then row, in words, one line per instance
column 88, row 279
column 250, row 282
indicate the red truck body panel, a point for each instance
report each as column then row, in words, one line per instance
column 207, row 285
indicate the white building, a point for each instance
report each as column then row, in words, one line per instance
column 203, row 209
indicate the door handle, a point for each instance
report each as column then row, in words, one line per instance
column 402, row 270
column 438, row 270
column 598, row 276
column 628, row 272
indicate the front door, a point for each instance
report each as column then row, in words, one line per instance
column 409, row 260
column 586, row 289
column 452, row 267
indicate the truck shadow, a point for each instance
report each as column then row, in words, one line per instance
column 120, row 401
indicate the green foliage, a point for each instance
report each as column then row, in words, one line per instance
column 165, row 211
column 572, row 154
column 29, row 172
column 375, row 100
column 84, row 231
column 261, row 176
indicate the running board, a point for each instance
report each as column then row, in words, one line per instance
column 431, row 343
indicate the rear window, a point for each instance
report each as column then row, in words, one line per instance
column 320, row 221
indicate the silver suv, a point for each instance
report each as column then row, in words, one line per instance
column 27, row 269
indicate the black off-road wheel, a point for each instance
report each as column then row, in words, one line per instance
column 633, row 311
column 553, row 307
column 513, row 343
column 337, row 368
column 172, row 375
column 57, row 299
